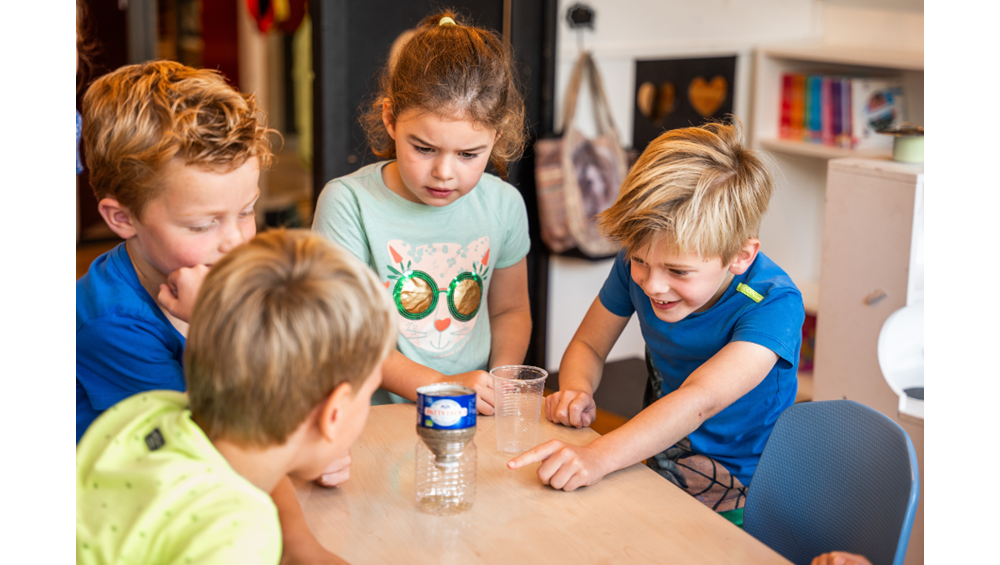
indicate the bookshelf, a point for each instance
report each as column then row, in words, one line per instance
column 771, row 61
column 793, row 230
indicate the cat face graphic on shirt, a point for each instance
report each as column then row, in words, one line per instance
column 438, row 290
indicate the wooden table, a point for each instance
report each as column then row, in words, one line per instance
column 633, row 515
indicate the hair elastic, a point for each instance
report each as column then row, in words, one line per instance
column 446, row 21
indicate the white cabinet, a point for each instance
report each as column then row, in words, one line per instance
column 872, row 265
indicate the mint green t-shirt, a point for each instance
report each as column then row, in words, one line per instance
column 151, row 488
column 451, row 249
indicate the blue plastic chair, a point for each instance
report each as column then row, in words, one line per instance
column 835, row 475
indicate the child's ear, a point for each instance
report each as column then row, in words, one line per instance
column 118, row 218
column 388, row 119
column 331, row 412
column 744, row 258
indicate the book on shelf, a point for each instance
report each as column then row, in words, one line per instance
column 839, row 111
column 830, row 119
column 792, row 106
column 842, row 111
column 877, row 103
column 814, row 109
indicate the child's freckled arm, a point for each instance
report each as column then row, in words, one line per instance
column 403, row 376
column 731, row 373
column 582, row 367
column 723, row 379
column 582, row 364
column 510, row 315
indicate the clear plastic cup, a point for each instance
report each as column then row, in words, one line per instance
column 517, row 394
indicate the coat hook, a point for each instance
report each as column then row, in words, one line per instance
column 580, row 16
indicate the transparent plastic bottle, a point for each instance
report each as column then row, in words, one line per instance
column 446, row 449
column 449, row 488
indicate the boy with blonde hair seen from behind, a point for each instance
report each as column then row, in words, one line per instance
column 721, row 321
column 285, row 351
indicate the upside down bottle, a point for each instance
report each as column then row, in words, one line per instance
column 446, row 451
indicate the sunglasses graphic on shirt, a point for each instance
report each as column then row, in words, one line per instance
column 416, row 295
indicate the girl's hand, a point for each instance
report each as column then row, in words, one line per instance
column 482, row 382
column 570, row 408
column 566, row 467
column 177, row 296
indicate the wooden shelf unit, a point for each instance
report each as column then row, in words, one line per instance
column 772, row 61
column 818, row 150
column 807, row 161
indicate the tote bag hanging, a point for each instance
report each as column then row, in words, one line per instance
column 577, row 177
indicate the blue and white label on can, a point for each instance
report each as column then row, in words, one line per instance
column 446, row 406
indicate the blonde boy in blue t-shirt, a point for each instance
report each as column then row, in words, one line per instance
column 287, row 340
column 722, row 325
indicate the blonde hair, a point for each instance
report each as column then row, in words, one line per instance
column 451, row 70
column 694, row 189
column 279, row 323
column 139, row 117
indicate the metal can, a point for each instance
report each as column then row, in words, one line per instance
column 446, row 406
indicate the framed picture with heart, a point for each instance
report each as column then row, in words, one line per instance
column 679, row 93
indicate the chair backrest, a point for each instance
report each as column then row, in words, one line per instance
column 835, row 475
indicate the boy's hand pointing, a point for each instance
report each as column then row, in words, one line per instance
column 566, row 467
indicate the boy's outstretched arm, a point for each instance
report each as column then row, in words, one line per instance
column 732, row 372
column 510, row 315
column 582, row 366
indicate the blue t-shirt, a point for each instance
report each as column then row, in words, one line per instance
column 124, row 343
column 735, row 436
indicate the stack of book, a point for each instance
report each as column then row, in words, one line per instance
column 840, row 111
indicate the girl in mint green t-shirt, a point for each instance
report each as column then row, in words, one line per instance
column 447, row 239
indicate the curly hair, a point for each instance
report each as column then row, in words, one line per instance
column 451, row 70
column 139, row 117
column 86, row 44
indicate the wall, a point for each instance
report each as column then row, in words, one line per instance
column 260, row 73
column 653, row 29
